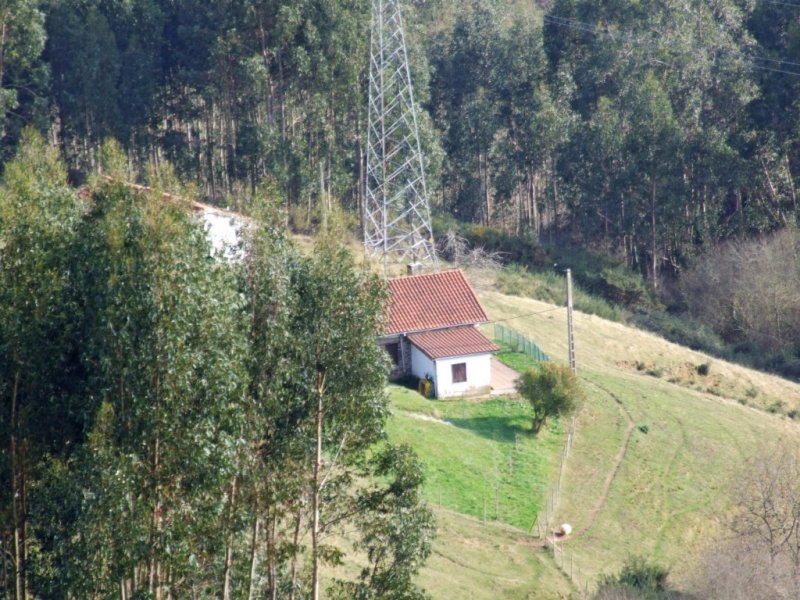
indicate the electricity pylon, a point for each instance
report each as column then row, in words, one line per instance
column 397, row 220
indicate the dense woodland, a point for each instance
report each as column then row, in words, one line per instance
column 648, row 131
column 176, row 425
column 650, row 128
column 663, row 136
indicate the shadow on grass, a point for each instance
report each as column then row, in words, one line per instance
column 503, row 428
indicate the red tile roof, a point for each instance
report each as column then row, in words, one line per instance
column 458, row 341
column 432, row 301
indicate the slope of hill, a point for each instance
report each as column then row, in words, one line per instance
column 659, row 441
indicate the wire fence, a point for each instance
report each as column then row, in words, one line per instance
column 545, row 525
column 565, row 560
column 545, row 519
column 518, row 342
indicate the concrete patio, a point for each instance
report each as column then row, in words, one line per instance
column 503, row 378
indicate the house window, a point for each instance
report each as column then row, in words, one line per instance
column 459, row 372
column 393, row 350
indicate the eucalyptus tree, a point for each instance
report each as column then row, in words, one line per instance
column 652, row 143
column 343, row 372
column 774, row 112
column 533, row 124
column 395, row 530
column 319, row 379
column 163, row 345
column 23, row 75
column 678, row 85
column 465, row 108
column 82, row 53
column 40, row 411
column 316, row 410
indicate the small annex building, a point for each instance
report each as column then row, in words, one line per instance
column 432, row 331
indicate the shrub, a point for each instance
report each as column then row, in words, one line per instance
column 551, row 389
column 637, row 579
column 549, row 286
column 704, row 369
column 683, row 331
column 775, row 408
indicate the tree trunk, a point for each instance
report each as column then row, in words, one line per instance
column 226, row 584
column 253, row 559
column 3, row 30
column 534, row 206
column 19, row 563
column 295, row 542
column 653, row 226
column 154, row 583
column 316, row 491
column 554, row 218
column 486, row 192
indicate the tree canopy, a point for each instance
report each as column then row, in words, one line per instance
column 175, row 424
column 552, row 390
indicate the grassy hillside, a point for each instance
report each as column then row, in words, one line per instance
column 486, row 478
column 480, row 459
column 488, row 561
column 659, row 441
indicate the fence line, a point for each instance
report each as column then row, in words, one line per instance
column 545, row 523
column 553, row 496
column 518, row 342
column 565, row 559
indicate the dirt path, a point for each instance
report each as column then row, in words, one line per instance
column 603, row 497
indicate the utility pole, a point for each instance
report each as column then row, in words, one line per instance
column 397, row 218
column 570, row 328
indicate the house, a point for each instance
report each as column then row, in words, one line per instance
column 432, row 332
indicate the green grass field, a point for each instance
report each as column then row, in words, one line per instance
column 479, row 456
column 516, row 360
column 652, row 466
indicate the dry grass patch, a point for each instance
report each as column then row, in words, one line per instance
column 611, row 346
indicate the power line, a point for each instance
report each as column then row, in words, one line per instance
column 641, row 40
column 779, row 2
column 531, row 314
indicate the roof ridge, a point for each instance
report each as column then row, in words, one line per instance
column 418, row 275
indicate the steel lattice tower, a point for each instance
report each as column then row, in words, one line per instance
column 397, row 219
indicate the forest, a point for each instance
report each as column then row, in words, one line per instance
column 655, row 144
column 175, row 425
column 654, row 133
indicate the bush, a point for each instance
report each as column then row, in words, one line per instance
column 638, row 579
column 703, row 369
column 775, row 408
column 551, row 389
column 683, row 331
column 550, row 287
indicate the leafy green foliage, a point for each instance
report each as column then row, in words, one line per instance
column 396, row 530
column 162, row 406
column 40, row 382
column 639, row 579
column 552, row 390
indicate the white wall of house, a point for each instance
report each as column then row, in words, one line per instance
column 479, row 375
column 479, row 372
column 421, row 365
